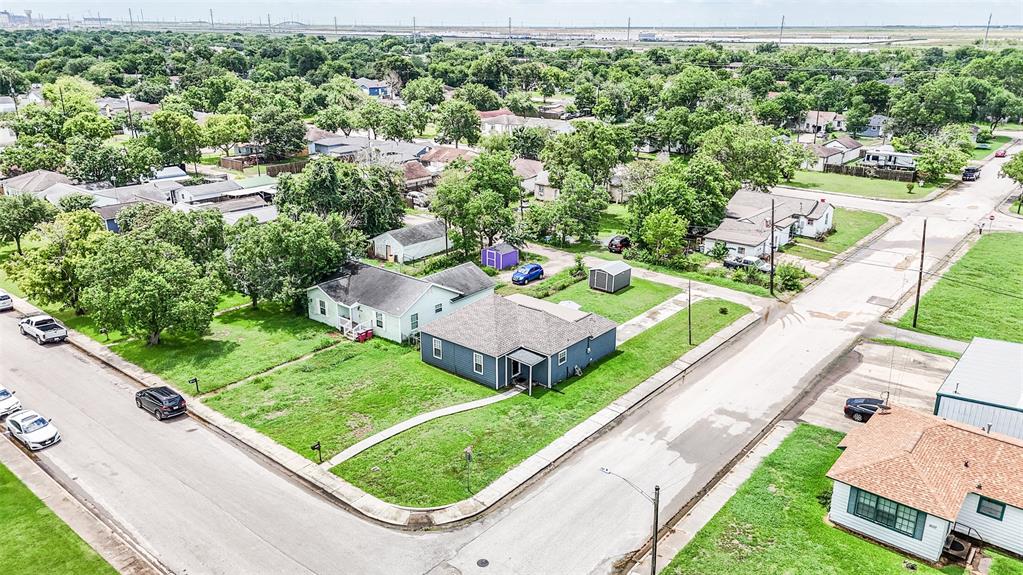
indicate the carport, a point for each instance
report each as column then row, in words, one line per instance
column 524, row 357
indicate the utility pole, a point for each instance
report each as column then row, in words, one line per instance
column 212, row 27
column 689, row 310
column 509, row 27
column 772, row 246
column 413, row 29
column 131, row 21
column 653, row 542
column 628, row 30
column 781, row 31
column 269, row 26
column 335, row 25
column 987, row 29
column 920, row 274
column 131, row 125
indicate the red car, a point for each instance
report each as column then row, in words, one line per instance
column 1000, row 154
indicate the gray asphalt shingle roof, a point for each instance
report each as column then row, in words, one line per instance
column 496, row 326
column 387, row 291
column 465, row 279
column 418, row 233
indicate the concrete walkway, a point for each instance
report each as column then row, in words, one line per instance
column 652, row 317
column 109, row 544
column 880, row 330
column 413, row 422
column 684, row 531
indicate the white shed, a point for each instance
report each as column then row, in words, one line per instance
column 412, row 243
column 985, row 388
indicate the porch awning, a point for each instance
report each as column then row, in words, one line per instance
column 526, row 357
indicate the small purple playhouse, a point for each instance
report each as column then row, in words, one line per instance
column 500, row 256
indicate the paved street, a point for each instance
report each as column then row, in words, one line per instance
column 204, row 507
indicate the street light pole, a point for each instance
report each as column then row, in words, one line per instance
column 656, row 500
column 689, row 311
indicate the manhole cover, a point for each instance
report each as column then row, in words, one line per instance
column 482, row 563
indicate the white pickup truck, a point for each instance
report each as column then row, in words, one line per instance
column 43, row 328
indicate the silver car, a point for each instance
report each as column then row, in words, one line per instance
column 8, row 403
column 32, row 429
column 6, row 301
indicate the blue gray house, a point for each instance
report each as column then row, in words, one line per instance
column 499, row 341
column 374, row 88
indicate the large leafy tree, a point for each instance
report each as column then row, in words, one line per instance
column 93, row 161
column 939, row 157
column 336, row 119
column 479, row 96
column 36, row 120
column 492, row 172
column 72, row 95
column 225, row 130
column 750, row 154
column 88, row 125
column 457, row 121
column 280, row 259
column 426, row 89
column 279, row 130
column 20, row 214
column 56, row 273
column 529, row 142
column 12, row 83
column 372, row 116
column 594, row 149
column 177, row 137
column 578, row 207
column 697, row 192
column 31, row 153
column 452, row 203
column 664, row 233
column 146, row 288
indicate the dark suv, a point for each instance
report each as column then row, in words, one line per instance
column 162, row 402
column 618, row 244
column 971, row 174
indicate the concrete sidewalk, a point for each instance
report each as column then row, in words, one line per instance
column 684, row 531
column 885, row 331
column 652, row 317
column 109, row 544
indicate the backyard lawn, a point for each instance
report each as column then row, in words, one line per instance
column 1003, row 564
column 343, row 395
column 34, row 540
column 613, row 220
column 240, row 343
column 425, row 466
column 851, row 226
column 621, row 306
column 866, row 187
column 995, row 142
column 980, row 296
column 775, row 522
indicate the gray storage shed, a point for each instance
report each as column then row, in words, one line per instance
column 985, row 388
column 611, row 276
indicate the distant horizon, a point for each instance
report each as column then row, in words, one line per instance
column 670, row 14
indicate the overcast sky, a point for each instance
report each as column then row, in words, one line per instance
column 650, row 13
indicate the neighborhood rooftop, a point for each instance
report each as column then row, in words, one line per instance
column 419, row 233
column 930, row 464
column 497, row 326
column 465, row 279
column 989, row 371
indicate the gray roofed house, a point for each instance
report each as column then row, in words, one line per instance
column 985, row 387
column 161, row 191
column 263, row 214
column 411, row 243
column 362, row 297
column 486, row 341
column 207, row 192
column 32, row 182
column 746, row 227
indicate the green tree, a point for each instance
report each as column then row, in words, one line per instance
column 20, row 214
column 397, row 126
column 138, row 216
column 71, row 95
column 451, row 202
column 36, row 120
column 492, row 69
column 225, row 130
column 664, row 233
column 279, row 130
column 75, row 202
column 177, row 137
column 479, row 96
column 749, row 153
column 552, row 79
column 578, row 207
column 938, row 158
column 336, row 119
column 492, row 172
column 520, row 103
column 199, row 234
column 428, row 90
column 585, row 96
column 56, row 272
column 457, row 121
column 12, row 83
column 594, row 149
column 88, row 125
column 529, row 142
column 147, row 288
column 371, row 116
column 32, row 153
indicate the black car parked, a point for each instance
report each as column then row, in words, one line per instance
column 861, row 408
column 162, row 402
column 618, row 244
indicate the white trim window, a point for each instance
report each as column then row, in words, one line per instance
column 562, row 356
column 414, row 321
column 438, row 349
column 379, row 319
column 321, row 306
column 477, row 362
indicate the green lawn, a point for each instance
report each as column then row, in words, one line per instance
column 916, row 346
column 851, row 226
column 34, row 540
column 344, row 395
column 613, row 220
column 980, row 296
column 621, row 306
column 714, row 276
column 241, row 343
column 1003, row 564
column 425, row 466
column 996, row 142
column 775, row 523
column 866, row 187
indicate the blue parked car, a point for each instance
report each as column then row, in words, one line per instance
column 527, row 273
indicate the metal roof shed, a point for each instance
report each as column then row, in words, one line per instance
column 610, row 277
column 985, row 388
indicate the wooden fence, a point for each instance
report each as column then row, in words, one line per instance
column 869, row 172
column 293, row 167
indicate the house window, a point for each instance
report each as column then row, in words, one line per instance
column 438, row 308
column 379, row 316
column 477, row 362
column 887, row 513
column 415, row 321
column 322, row 306
column 438, row 349
column 741, row 250
column 991, row 508
column 562, row 356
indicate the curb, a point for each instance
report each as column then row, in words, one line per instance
column 452, row 515
column 840, row 259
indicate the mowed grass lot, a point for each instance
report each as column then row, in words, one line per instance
column 775, row 524
column 1003, row 564
column 996, row 142
column 621, row 306
column 851, row 226
column 343, row 395
column 34, row 540
column 613, row 220
column 866, row 187
column 980, row 296
column 425, row 466
column 239, row 344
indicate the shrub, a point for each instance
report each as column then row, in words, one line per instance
column 579, row 270
column 750, row 276
column 553, row 284
column 489, row 271
column 684, row 263
column 719, row 251
column 789, row 277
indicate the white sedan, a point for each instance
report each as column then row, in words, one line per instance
column 8, row 403
column 32, row 429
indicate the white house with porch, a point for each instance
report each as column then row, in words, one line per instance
column 747, row 224
column 394, row 306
